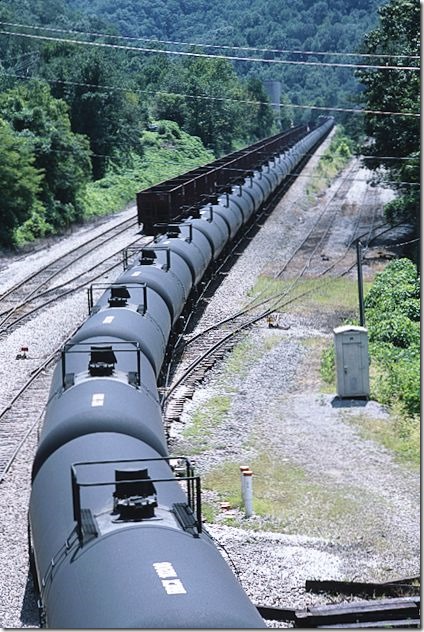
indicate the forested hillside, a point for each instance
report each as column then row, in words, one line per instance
column 70, row 115
column 305, row 25
column 79, row 95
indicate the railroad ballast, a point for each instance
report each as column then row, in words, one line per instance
column 116, row 529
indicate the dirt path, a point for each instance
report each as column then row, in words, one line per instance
column 340, row 506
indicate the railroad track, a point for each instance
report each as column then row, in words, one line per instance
column 202, row 350
column 33, row 282
column 398, row 607
column 29, row 301
column 314, row 239
column 23, row 412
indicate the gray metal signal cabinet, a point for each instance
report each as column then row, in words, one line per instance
column 352, row 361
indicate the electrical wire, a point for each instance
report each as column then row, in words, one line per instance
column 209, row 98
column 207, row 55
column 190, row 163
column 206, row 45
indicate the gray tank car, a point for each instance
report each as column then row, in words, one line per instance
column 215, row 230
column 191, row 245
column 166, row 273
column 116, row 542
column 123, row 547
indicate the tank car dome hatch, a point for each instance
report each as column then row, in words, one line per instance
column 140, row 297
column 102, row 361
column 119, row 296
column 135, row 496
column 132, row 366
column 169, row 276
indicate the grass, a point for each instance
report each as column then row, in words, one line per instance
column 244, row 355
column 325, row 295
column 334, row 159
column 210, row 414
column 167, row 153
column 399, row 434
column 203, row 422
column 284, row 495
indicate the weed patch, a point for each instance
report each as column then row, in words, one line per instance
column 203, row 422
column 399, row 434
column 328, row 295
column 285, row 497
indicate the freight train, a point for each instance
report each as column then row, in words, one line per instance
column 116, row 532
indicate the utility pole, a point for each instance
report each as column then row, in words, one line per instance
column 360, row 283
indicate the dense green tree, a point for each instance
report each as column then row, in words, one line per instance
column 259, row 116
column 20, row 182
column 303, row 25
column 206, row 98
column 394, row 136
column 63, row 156
column 102, row 105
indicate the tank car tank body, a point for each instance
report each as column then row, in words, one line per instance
column 115, row 523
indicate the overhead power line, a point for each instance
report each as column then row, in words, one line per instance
column 207, row 55
column 189, row 162
column 209, row 98
column 206, row 45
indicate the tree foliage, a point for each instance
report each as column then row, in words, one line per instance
column 20, row 182
column 101, row 103
column 396, row 37
column 392, row 309
column 42, row 122
column 303, row 25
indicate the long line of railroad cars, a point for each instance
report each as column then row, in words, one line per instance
column 115, row 523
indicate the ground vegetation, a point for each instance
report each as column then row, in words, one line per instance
column 394, row 147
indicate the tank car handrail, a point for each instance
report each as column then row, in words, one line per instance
column 107, row 286
column 141, row 249
column 168, row 225
column 194, row 500
column 70, row 347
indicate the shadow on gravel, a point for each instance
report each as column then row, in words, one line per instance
column 29, row 610
column 338, row 402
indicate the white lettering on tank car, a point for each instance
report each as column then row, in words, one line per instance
column 164, row 569
column 136, row 273
column 108, row 320
column 97, row 399
column 172, row 586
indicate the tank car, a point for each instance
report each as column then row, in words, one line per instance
column 164, row 272
column 124, row 546
column 191, row 245
column 115, row 524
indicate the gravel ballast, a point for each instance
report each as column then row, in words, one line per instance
column 278, row 398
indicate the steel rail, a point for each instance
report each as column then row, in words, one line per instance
column 66, row 292
column 74, row 250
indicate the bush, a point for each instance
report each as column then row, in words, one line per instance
column 393, row 313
